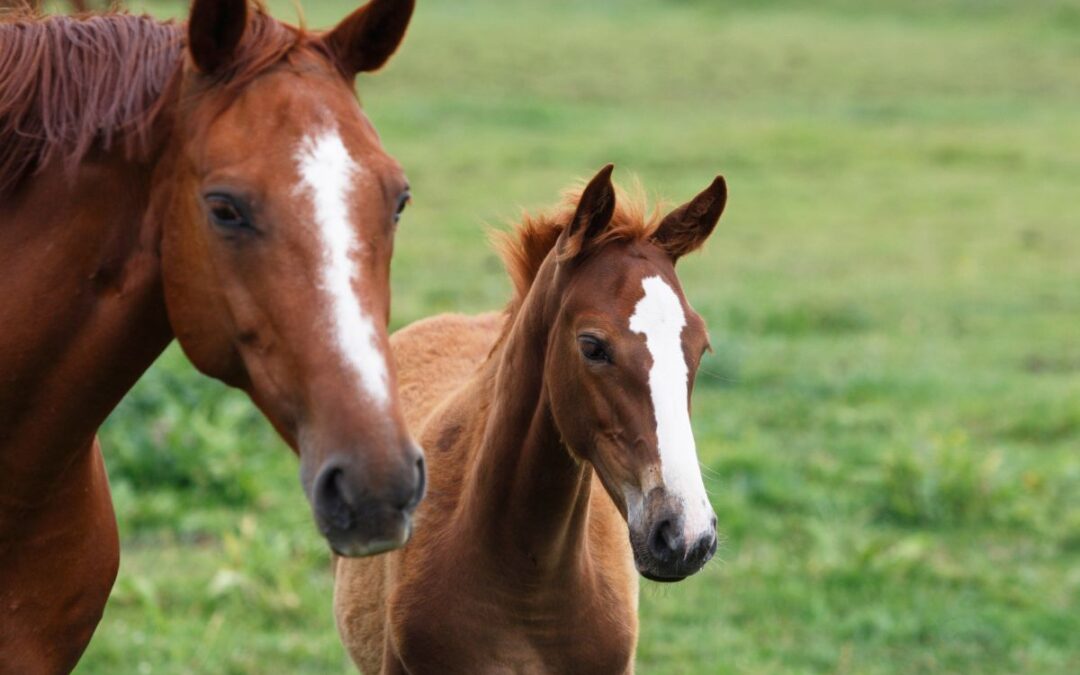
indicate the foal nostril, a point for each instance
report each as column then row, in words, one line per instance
column 704, row 549
column 332, row 497
column 665, row 542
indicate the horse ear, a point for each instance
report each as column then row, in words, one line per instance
column 215, row 28
column 687, row 227
column 366, row 39
column 593, row 214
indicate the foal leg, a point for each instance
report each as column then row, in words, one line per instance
column 56, row 575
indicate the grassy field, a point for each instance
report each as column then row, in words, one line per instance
column 890, row 423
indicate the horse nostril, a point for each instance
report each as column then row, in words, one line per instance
column 421, row 484
column 664, row 542
column 332, row 499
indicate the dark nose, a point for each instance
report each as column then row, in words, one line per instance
column 666, row 541
column 674, row 555
column 333, row 498
column 362, row 512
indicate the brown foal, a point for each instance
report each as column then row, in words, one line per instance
column 549, row 430
column 216, row 182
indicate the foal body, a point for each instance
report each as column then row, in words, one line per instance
column 521, row 561
column 509, row 515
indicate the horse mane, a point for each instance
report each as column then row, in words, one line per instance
column 72, row 84
column 525, row 247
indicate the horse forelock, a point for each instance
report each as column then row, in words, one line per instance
column 70, row 84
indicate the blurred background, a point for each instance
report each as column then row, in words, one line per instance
column 890, row 422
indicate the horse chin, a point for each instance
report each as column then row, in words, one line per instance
column 663, row 580
column 350, row 546
column 358, row 542
column 361, row 550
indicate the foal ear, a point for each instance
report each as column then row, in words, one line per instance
column 366, row 39
column 594, row 211
column 215, row 28
column 687, row 227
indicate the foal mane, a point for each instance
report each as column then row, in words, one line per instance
column 525, row 247
column 72, row 84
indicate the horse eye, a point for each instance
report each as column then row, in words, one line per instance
column 594, row 349
column 403, row 201
column 226, row 212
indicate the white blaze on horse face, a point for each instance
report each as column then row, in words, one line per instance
column 659, row 316
column 327, row 174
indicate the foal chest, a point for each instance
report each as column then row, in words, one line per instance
column 465, row 634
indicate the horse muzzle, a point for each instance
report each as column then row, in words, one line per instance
column 359, row 518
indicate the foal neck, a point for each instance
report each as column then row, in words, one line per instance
column 527, row 496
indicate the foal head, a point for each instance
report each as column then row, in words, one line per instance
column 623, row 352
column 279, row 209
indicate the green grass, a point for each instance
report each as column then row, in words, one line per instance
column 890, row 423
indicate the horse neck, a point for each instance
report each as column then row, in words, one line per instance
column 525, row 486
column 91, row 234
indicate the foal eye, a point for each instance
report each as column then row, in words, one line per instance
column 226, row 212
column 594, row 349
column 403, row 201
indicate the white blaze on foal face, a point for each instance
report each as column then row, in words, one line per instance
column 327, row 173
column 660, row 318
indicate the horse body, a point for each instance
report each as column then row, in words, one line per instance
column 521, row 561
column 105, row 323
column 189, row 200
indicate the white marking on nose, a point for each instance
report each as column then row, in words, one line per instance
column 660, row 318
column 327, row 172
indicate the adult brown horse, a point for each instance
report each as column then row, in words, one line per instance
column 218, row 184
column 547, row 428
